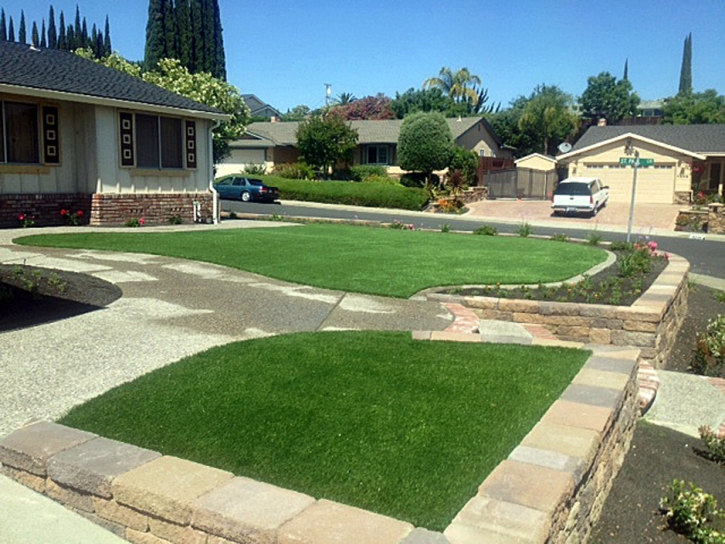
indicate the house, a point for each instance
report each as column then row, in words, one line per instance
column 536, row 161
column 258, row 108
column 271, row 144
column 76, row 135
column 686, row 158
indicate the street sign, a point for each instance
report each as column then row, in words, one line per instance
column 641, row 163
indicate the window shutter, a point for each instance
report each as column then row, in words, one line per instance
column 190, row 137
column 126, row 138
column 51, row 148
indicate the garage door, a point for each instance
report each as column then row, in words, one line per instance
column 654, row 185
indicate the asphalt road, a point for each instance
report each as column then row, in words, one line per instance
column 706, row 256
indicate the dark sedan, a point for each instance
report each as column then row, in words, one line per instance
column 246, row 189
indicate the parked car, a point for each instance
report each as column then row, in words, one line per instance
column 246, row 189
column 580, row 195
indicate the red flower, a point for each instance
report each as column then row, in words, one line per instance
column 63, row 212
column 79, row 213
column 21, row 217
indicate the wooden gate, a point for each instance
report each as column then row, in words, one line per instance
column 520, row 183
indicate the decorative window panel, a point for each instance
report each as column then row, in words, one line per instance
column 51, row 143
column 126, row 134
column 190, row 144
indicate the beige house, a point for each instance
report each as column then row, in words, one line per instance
column 270, row 144
column 537, row 161
column 685, row 158
column 77, row 136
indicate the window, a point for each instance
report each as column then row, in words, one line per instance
column 377, row 154
column 19, row 137
column 160, row 142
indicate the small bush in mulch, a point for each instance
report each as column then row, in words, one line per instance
column 709, row 357
column 636, row 268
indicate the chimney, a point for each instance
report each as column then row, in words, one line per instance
column 274, row 119
column 602, row 122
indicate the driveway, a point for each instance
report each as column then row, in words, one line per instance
column 170, row 309
column 613, row 216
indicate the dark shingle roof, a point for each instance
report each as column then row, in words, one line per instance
column 702, row 139
column 52, row 70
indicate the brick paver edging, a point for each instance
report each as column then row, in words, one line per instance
column 550, row 489
column 650, row 323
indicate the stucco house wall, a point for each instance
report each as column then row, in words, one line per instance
column 536, row 161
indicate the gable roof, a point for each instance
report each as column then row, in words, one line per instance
column 258, row 107
column 699, row 139
column 60, row 75
column 369, row 132
column 536, row 155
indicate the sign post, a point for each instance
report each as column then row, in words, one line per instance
column 635, row 162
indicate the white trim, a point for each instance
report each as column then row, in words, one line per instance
column 633, row 136
column 539, row 155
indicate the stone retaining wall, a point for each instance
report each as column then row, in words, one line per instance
column 651, row 323
column 550, row 489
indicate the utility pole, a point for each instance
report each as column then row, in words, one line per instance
column 328, row 91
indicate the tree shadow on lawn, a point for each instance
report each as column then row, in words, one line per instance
column 31, row 296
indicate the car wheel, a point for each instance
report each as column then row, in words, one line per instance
column 246, row 197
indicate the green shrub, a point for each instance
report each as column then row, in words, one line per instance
column 714, row 445
column 381, row 179
column 413, row 179
column 525, row 230
column 360, row 172
column 297, row 170
column 709, row 358
column 486, row 230
column 255, row 169
column 559, row 238
column 692, row 513
column 466, row 162
column 593, row 239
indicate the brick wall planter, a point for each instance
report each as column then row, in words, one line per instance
column 651, row 323
column 550, row 489
column 45, row 208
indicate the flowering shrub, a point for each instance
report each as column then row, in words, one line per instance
column 639, row 259
column 449, row 205
column 72, row 218
column 692, row 513
column 26, row 220
column 401, row 226
column 136, row 222
column 715, row 444
column 709, row 358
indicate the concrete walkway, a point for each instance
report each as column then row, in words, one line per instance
column 172, row 308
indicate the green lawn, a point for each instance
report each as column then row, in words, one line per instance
column 357, row 259
column 376, row 420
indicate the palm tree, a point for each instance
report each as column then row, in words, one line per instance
column 344, row 99
column 459, row 85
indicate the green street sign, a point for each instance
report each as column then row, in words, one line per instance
column 629, row 161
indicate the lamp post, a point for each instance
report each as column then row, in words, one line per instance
column 630, row 150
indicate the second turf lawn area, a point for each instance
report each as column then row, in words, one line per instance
column 368, row 260
column 377, row 420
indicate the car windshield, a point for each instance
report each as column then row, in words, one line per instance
column 257, row 182
column 572, row 189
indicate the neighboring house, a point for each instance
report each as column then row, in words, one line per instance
column 258, row 108
column 76, row 135
column 686, row 158
column 271, row 144
column 537, row 161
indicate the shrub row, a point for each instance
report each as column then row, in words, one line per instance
column 376, row 195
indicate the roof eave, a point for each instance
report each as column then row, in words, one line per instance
column 110, row 102
column 625, row 136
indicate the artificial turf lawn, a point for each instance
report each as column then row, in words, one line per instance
column 368, row 260
column 377, row 420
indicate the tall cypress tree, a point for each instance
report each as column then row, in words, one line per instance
column 43, row 41
column 686, row 69
column 183, row 28
column 3, row 26
column 207, row 28
column 11, row 30
column 626, row 70
column 77, row 29
column 52, row 32
column 220, row 64
column 72, row 40
column 35, row 35
column 196, row 63
column 155, row 42
column 85, row 40
column 171, row 49
column 107, row 50
column 22, row 34
column 62, row 37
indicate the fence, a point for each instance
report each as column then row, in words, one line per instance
column 520, row 183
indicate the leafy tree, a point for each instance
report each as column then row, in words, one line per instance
column 298, row 113
column 22, row 33
column 325, row 140
column 425, row 144
column 369, row 108
column 52, row 32
column 686, row 68
column 695, row 108
column 607, row 98
column 459, row 85
column 425, row 100
column 466, row 163
column 547, row 118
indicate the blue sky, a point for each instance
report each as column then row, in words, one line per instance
column 285, row 51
